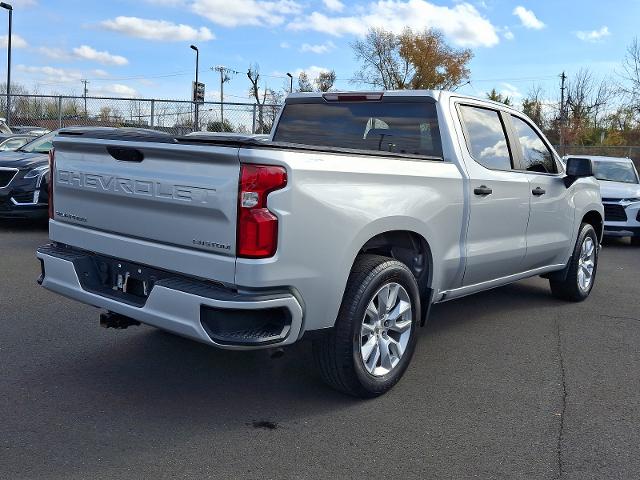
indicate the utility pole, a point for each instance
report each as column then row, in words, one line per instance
column 563, row 78
column 196, row 125
column 85, row 82
column 224, row 77
column 9, row 8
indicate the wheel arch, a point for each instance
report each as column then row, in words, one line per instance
column 594, row 218
column 412, row 249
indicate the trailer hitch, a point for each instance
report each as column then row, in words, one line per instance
column 115, row 320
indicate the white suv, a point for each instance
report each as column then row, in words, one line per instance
column 620, row 190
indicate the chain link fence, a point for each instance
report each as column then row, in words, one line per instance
column 172, row 116
column 177, row 117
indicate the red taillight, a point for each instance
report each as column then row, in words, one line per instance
column 50, row 183
column 257, row 226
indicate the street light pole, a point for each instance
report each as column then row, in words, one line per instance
column 8, row 7
column 196, row 124
column 290, row 82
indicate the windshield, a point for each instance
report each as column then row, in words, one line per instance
column 39, row 145
column 615, row 171
column 13, row 143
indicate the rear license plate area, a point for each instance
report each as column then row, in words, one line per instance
column 127, row 281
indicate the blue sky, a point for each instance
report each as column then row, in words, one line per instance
column 141, row 47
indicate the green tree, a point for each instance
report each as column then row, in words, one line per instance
column 498, row 97
column 219, row 126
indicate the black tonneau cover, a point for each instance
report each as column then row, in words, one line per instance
column 155, row 136
column 238, row 141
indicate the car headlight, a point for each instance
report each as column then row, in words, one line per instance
column 37, row 172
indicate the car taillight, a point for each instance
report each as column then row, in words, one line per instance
column 50, row 183
column 257, row 226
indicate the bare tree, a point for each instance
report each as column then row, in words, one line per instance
column 262, row 97
column 587, row 100
column 533, row 107
column 254, row 77
column 382, row 64
column 631, row 74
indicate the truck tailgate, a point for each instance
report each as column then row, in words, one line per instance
column 179, row 195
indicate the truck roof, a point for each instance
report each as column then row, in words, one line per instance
column 438, row 95
column 601, row 158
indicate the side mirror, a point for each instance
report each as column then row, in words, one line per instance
column 577, row 168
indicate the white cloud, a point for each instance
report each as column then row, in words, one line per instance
column 52, row 74
column 593, row 35
column 54, row 53
column 312, row 72
column 462, row 23
column 157, row 29
column 528, row 18
column 499, row 149
column 98, row 72
column 508, row 34
column 116, row 89
column 333, row 5
column 511, row 91
column 87, row 53
column 321, row 48
column 16, row 41
column 284, row 45
column 246, row 12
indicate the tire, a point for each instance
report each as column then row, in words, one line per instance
column 635, row 241
column 340, row 354
column 575, row 287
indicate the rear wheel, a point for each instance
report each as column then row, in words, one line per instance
column 582, row 268
column 374, row 337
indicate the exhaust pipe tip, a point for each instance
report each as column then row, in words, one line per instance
column 117, row 321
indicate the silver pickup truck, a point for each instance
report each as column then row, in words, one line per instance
column 357, row 214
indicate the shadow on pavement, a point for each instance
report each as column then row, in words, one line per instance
column 151, row 372
column 21, row 225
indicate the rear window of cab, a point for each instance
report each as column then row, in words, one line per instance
column 408, row 128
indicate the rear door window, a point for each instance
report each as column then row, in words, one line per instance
column 409, row 128
column 486, row 137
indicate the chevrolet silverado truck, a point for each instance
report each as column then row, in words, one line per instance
column 358, row 213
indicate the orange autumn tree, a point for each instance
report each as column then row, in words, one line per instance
column 410, row 60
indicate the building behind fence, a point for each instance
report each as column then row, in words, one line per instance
column 172, row 116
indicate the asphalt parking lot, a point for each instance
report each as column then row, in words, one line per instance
column 506, row 384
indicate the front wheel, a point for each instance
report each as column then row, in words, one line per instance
column 372, row 343
column 582, row 268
